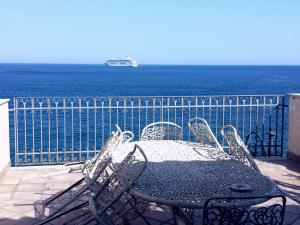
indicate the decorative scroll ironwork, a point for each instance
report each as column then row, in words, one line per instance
column 234, row 211
column 203, row 133
column 162, row 131
column 236, row 146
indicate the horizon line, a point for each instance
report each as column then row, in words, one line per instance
column 148, row 64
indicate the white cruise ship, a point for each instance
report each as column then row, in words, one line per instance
column 122, row 62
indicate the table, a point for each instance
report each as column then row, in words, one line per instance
column 187, row 174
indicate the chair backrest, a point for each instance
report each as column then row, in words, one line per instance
column 203, row 134
column 127, row 136
column 237, row 148
column 119, row 183
column 111, row 144
column 231, row 210
column 162, row 131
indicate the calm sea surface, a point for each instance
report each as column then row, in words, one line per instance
column 89, row 80
column 36, row 80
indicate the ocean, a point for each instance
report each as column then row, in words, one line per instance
column 18, row 80
column 43, row 136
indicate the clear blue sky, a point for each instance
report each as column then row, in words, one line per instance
column 153, row 32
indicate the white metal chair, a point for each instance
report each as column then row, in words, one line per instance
column 89, row 167
column 162, row 131
column 237, row 148
column 111, row 203
column 203, row 134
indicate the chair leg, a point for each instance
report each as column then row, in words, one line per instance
column 51, row 199
column 87, row 221
column 73, row 198
column 77, row 217
column 47, row 220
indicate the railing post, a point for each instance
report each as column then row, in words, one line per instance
column 4, row 140
column 294, row 127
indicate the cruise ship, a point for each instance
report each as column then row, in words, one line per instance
column 122, row 62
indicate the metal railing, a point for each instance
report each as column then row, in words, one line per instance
column 54, row 130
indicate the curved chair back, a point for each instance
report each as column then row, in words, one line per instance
column 203, row 134
column 233, row 210
column 127, row 136
column 162, row 131
column 237, row 148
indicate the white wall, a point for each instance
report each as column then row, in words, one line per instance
column 4, row 135
column 294, row 127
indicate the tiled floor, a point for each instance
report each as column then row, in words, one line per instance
column 22, row 190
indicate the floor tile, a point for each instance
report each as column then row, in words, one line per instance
column 7, row 187
column 30, row 187
column 5, row 196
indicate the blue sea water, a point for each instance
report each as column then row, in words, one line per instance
column 20, row 80
column 99, row 80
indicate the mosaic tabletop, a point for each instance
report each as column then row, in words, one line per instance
column 186, row 173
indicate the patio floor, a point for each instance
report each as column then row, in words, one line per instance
column 23, row 189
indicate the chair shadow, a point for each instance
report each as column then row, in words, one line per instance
column 152, row 179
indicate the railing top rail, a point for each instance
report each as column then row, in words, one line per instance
column 154, row 96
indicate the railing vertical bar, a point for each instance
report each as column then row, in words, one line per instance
column 223, row 117
column 196, row 105
column 117, row 111
column 41, row 131
column 95, row 126
column 79, row 115
column 125, row 112
column 230, row 111
column 282, row 124
column 168, row 108
column 65, row 129
column 49, row 129
column 87, row 131
column 182, row 116
column 102, row 121
column 175, row 112
column 25, row 131
column 250, row 116
column 217, row 112
column 146, row 113
column 109, row 111
column 32, row 125
column 270, row 127
column 256, row 125
column 189, row 117
column 237, row 113
column 132, row 117
column 72, row 130
column 56, row 123
column 153, row 110
column 276, row 128
column 16, row 108
column 161, row 110
column 244, row 109
column 139, row 111
column 209, row 112
column 263, row 124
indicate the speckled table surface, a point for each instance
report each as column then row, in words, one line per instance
column 185, row 173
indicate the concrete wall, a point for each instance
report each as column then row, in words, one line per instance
column 294, row 127
column 4, row 136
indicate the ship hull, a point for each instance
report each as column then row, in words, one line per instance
column 121, row 63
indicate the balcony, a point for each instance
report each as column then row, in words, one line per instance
column 45, row 132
